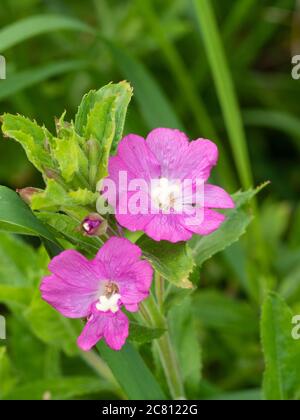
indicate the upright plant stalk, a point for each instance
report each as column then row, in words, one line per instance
column 231, row 112
column 165, row 349
column 225, row 89
column 177, row 67
column 159, row 289
column 92, row 359
column 188, row 92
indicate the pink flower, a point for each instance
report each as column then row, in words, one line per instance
column 97, row 289
column 168, row 157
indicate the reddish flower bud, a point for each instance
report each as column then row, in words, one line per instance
column 27, row 193
column 94, row 225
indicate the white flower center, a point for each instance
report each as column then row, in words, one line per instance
column 165, row 194
column 108, row 303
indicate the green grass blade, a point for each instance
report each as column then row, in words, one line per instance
column 36, row 25
column 155, row 107
column 131, row 372
column 27, row 78
column 225, row 89
column 179, row 70
column 241, row 10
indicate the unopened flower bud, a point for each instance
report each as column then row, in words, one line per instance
column 27, row 193
column 94, row 225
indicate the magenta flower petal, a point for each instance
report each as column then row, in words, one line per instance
column 130, row 220
column 217, row 198
column 70, row 300
column 76, row 270
column 169, row 147
column 168, row 227
column 117, row 165
column 114, row 328
column 211, row 222
column 134, row 284
column 138, row 157
column 197, row 163
column 134, row 222
column 116, row 255
column 123, row 266
column 74, row 285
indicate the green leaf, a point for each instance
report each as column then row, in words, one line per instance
column 19, row 263
column 7, row 378
column 173, row 261
column 36, row 25
column 131, row 372
column 290, row 285
column 61, row 388
column 15, row 294
column 67, row 228
column 27, row 353
column 243, row 197
column 51, row 327
column 19, row 269
column 83, row 197
column 203, row 248
column 56, row 198
column 17, row 216
column 100, row 120
column 281, row 351
column 141, row 334
column 87, row 104
column 70, row 157
column 101, row 126
column 33, row 138
column 95, row 108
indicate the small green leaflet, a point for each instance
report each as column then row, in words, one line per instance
column 173, row 261
column 238, row 219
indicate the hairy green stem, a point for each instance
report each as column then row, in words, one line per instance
column 159, row 289
column 165, row 349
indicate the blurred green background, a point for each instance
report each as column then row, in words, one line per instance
column 220, row 70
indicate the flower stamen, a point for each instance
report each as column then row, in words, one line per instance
column 165, row 194
column 109, row 301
